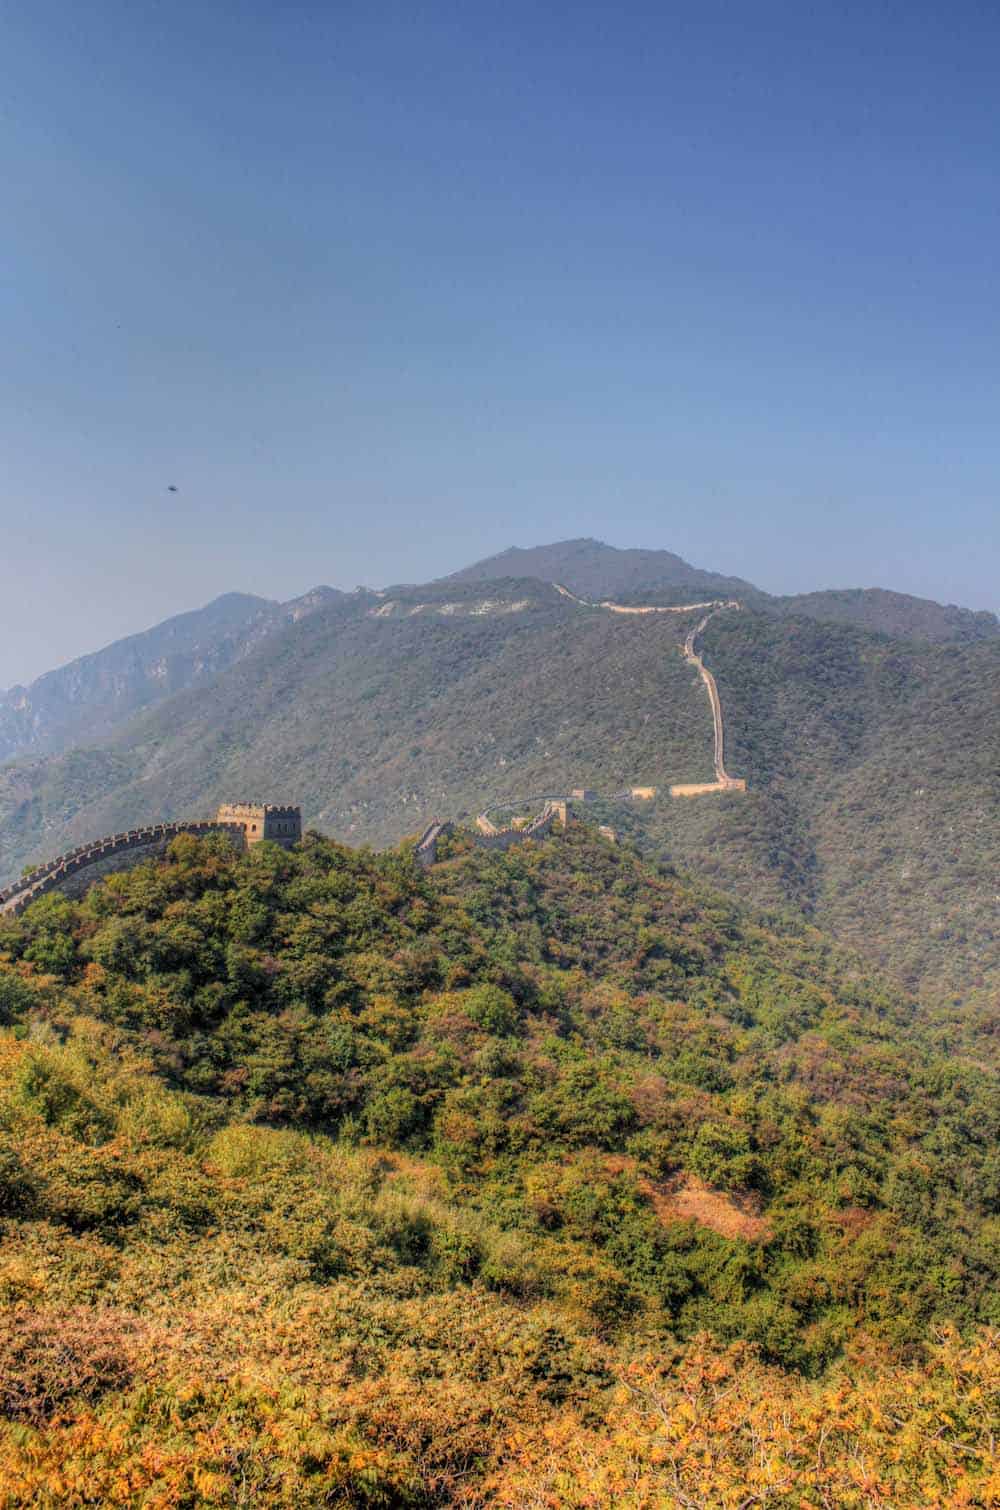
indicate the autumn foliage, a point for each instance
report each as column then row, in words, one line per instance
column 545, row 1181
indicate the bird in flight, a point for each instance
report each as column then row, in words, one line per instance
column 171, row 488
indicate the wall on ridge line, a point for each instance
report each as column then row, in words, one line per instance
column 76, row 885
column 425, row 851
column 698, row 788
column 503, row 838
column 136, row 845
column 426, row 847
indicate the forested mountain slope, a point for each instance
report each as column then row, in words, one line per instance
column 381, row 712
column 91, row 696
column 327, row 1182
column 893, row 613
column 872, row 762
column 874, row 802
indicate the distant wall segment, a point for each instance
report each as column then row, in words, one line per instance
column 487, row 835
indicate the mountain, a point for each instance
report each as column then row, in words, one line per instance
column 380, row 711
column 543, row 1178
column 892, row 613
column 873, row 802
column 594, row 570
column 89, row 697
column 871, row 758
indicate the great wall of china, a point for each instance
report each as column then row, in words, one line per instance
column 247, row 823
column 723, row 781
column 556, row 807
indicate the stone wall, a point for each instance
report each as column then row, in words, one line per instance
column 503, row 838
column 245, row 822
column 133, row 845
column 426, row 847
column 699, row 788
column 263, row 820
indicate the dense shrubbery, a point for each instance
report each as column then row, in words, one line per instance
column 322, row 1181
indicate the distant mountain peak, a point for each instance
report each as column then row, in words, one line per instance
column 592, row 568
column 92, row 695
column 312, row 601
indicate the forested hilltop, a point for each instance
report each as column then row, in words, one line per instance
column 542, row 1178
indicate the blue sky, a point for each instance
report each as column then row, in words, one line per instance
column 384, row 288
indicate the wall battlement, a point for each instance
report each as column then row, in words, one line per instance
column 263, row 820
column 487, row 835
column 246, row 823
column 516, row 833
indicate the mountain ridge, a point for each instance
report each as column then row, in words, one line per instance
column 592, row 568
column 380, row 711
column 89, row 696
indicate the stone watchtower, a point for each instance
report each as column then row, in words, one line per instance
column 263, row 820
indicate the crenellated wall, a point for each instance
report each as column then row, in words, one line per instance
column 516, row 833
column 487, row 835
column 55, row 875
column 245, row 822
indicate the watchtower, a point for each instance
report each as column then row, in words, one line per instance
column 263, row 820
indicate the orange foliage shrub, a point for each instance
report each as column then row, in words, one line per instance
column 52, row 1357
column 719, row 1431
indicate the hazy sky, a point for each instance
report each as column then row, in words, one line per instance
column 383, row 288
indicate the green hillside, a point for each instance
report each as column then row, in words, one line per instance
column 95, row 694
column 325, row 1182
column 872, row 761
column 376, row 719
column 895, row 613
column 874, row 767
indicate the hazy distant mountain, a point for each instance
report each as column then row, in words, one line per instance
column 894, row 613
column 593, row 569
column 88, row 698
column 91, row 697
